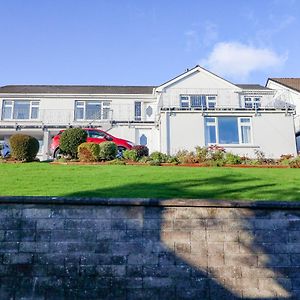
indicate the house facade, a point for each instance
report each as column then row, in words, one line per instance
column 288, row 89
column 196, row 108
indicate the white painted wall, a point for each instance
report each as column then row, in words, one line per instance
column 273, row 133
column 289, row 95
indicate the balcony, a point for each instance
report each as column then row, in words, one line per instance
column 66, row 117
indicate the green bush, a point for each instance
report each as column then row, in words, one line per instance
column 108, row 151
column 232, row 159
column 158, row 157
column 216, row 153
column 154, row 163
column 70, row 140
column 116, row 162
column 141, row 151
column 88, row 152
column 186, row 157
column 202, row 154
column 130, row 155
column 295, row 162
column 24, row 147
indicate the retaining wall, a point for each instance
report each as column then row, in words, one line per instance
column 56, row 248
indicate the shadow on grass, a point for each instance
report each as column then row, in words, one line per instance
column 226, row 188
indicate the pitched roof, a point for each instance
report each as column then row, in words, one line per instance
column 75, row 89
column 252, row 87
column 189, row 72
column 293, row 83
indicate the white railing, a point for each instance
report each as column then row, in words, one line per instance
column 59, row 117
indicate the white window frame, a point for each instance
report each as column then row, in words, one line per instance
column 240, row 124
column 32, row 104
column 248, row 124
column 136, row 117
column 105, row 104
column 209, row 99
column 254, row 101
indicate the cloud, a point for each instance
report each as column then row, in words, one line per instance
column 237, row 61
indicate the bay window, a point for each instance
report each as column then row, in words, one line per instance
column 198, row 101
column 228, row 130
column 92, row 110
column 20, row 110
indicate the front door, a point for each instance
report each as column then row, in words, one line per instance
column 144, row 137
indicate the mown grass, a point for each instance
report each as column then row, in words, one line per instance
column 44, row 179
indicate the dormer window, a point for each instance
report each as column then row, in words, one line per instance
column 198, row 101
column 252, row 102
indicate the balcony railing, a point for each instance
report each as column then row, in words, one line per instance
column 59, row 117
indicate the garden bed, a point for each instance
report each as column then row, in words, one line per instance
column 195, row 165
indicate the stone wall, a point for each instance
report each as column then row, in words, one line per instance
column 54, row 248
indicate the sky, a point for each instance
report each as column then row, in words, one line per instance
column 142, row 42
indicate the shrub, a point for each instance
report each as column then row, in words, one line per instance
column 70, row 140
column 88, row 152
column 130, row 155
column 24, row 147
column 141, row 151
column 108, row 151
column 186, row 157
column 172, row 160
column 286, row 159
column 232, row 159
column 295, row 162
column 202, row 154
column 145, row 159
column 116, row 162
column 154, row 163
column 158, row 157
column 216, row 152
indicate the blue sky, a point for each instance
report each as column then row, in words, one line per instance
column 141, row 42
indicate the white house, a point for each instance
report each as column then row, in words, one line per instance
column 288, row 89
column 196, row 108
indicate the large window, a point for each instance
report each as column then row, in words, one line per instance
column 92, row 110
column 20, row 110
column 227, row 130
column 198, row 101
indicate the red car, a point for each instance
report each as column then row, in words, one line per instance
column 93, row 136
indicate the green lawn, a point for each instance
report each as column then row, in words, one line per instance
column 144, row 181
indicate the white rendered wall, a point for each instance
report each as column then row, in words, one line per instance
column 290, row 96
column 273, row 133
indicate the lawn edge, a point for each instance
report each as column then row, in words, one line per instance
column 150, row 202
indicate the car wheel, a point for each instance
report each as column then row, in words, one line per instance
column 57, row 153
column 120, row 151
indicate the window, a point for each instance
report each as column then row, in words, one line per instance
column 210, row 130
column 137, row 110
column 245, row 127
column 96, row 134
column 227, row 130
column 252, row 102
column 20, row 110
column 198, row 101
column 92, row 110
